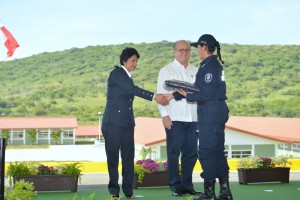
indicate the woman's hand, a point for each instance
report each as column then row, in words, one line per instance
column 161, row 99
column 182, row 92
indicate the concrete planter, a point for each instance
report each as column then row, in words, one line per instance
column 51, row 182
column 278, row 174
column 152, row 180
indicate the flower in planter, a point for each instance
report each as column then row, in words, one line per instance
column 266, row 163
column 152, row 166
column 33, row 168
column 46, row 170
column 143, row 167
column 263, row 162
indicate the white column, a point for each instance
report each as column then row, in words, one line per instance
column 229, row 151
column 24, row 136
column 49, row 138
column 62, row 136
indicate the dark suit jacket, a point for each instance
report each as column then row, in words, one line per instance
column 120, row 95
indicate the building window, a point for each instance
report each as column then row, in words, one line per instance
column 68, row 134
column 17, row 135
column 284, row 146
column 296, row 146
column 42, row 134
column 239, row 153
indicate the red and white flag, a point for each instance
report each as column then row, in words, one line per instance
column 9, row 41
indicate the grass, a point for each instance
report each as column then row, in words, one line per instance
column 266, row 191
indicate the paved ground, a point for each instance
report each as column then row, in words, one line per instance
column 100, row 180
column 88, row 153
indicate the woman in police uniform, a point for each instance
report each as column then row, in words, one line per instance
column 212, row 116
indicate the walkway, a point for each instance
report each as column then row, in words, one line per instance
column 89, row 153
column 100, row 180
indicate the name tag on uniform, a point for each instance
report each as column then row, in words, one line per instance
column 223, row 76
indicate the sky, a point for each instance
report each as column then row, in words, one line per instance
column 57, row 25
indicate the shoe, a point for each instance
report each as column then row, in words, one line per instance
column 191, row 192
column 115, row 197
column 177, row 192
column 130, row 196
column 225, row 193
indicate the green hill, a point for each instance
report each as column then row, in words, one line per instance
column 261, row 80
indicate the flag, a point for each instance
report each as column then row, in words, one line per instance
column 9, row 41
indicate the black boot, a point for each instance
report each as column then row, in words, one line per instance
column 209, row 191
column 225, row 193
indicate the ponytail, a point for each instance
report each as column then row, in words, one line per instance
column 219, row 52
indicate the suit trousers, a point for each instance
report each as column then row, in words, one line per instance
column 181, row 139
column 118, row 139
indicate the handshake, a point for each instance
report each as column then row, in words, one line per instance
column 163, row 99
column 182, row 87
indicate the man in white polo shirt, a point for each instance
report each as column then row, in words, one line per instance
column 180, row 121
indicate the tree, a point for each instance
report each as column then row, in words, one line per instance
column 6, row 135
column 56, row 136
column 32, row 136
column 144, row 152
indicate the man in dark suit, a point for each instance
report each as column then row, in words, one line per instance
column 118, row 122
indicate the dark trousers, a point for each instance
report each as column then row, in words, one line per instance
column 119, row 139
column 181, row 138
column 211, row 125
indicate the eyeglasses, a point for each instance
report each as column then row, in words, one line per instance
column 183, row 50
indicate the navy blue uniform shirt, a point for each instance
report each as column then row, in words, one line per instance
column 210, row 79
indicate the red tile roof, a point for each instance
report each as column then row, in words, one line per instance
column 92, row 130
column 149, row 131
column 37, row 122
column 285, row 130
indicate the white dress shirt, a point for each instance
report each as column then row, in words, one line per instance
column 177, row 110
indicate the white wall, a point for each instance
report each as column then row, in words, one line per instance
column 237, row 138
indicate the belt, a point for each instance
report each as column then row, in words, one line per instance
column 213, row 101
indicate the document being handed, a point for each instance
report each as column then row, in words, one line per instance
column 176, row 84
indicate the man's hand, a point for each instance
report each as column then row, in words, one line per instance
column 161, row 99
column 169, row 96
column 167, row 122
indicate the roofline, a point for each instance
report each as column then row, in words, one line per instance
column 156, row 142
column 258, row 135
column 40, row 117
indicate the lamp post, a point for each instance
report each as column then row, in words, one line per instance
column 99, row 131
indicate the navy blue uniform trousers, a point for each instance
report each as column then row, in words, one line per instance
column 181, row 138
column 118, row 139
column 211, row 124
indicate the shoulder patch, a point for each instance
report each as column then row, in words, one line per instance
column 208, row 77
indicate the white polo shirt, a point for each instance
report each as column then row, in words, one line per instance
column 177, row 110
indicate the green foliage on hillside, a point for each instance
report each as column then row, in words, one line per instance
column 261, row 80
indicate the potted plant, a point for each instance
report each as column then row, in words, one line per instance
column 263, row 169
column 149, row 173
column 46, row 178
column 22, row 190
